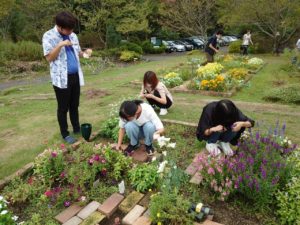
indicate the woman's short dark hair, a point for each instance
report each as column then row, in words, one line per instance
column 150, row 78
column 65, row 20
column 129, row 108
column 219, row 32
column 225, row 113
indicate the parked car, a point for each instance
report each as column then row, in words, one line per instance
column 178, row 47
column 169, row 47
column 198, row 44
column 188, row 46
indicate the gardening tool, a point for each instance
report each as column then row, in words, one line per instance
column 86, row 130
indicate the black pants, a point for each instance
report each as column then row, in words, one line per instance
column 245, row 49
column 163, row 106
column 68, row 100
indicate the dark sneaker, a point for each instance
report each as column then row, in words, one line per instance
column 130, row 148
column 149, row 150
column 70, row 140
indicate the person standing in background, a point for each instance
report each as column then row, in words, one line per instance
column 246, row 42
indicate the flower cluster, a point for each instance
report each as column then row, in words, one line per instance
column 215, row 174
column 209, row 69
column 238, row 73
column 216, row 84
column 6, row 217
column 172, row 79
column 255, row 61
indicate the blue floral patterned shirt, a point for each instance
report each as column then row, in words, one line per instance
column 59, row 67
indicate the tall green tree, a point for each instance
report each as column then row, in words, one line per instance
column 6, row 9
column 277, row 19
column 188, row 16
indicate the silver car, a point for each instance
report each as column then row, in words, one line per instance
column 178, row 47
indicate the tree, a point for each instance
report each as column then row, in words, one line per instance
column 277, row 19
column 6, row 8
column 188, row 16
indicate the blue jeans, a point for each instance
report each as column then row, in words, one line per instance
column 226, row 136
column 135, row 132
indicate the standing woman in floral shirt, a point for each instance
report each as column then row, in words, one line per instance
column 62, row 51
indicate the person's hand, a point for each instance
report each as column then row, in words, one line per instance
column 118, row 147
column 142, row 96
column 218, row 128
column 149, row 95
column 216, row 50
column 237, row 126
column 65, row 43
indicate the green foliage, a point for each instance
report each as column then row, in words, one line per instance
column 110, row 129
column 235, row 47
column 102, row 192
column 129, row 46
column 37, row 219
column 169, row 208
column 113, row 38
column 144, row 177
column 185, row 74
column 285, row 94
column 129, row 56
column 149, row 48
column 288, row 199
column 6, row 217
column 23, row 50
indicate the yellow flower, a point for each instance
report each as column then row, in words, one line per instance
column 159, row 223
column 171, row 75
column 158, row 215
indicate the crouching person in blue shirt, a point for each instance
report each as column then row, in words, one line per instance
column 138, row 120
column 62, row 50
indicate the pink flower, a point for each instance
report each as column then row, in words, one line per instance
column 211, row 171
column 103, row 161
column 54, row 154
column 219, row 169
column 91, row 161
column 67, row 203
column 48, row 193
column 62, row 175
column 97, row 158
column 62, row 146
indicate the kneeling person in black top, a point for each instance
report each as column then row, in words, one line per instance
column 222, row 123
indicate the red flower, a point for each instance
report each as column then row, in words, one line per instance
column 48, row 193
column 53, row 154
column 62, row 146
column 30, row 180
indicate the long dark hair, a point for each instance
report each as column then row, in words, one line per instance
column 225, row 113
column 150, row 78
column 129, row 108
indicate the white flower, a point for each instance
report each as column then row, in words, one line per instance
column 162, row 166
column 171, row 145
column 1, row 198
column 153, row 159
column 15, row 218
column 4, row 212
column 164, row 153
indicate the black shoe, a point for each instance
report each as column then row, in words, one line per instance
column 149, row 150
column 130, row 148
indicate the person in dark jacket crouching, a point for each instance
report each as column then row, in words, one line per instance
column 222, row 123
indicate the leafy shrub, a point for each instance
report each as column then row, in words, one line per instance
column 235, row 47
column 129, row 56
column 172, row 79
column 285, row 94
column 169, row 208
column 23, row 51
column 287, row 199
column 209, row 69
column 144, row 177
column 185, row 74
column 110, row 129
column 238, row 73
column 149, row 48
column 129, row 46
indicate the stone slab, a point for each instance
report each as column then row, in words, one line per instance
column 196, row 179
column 94, row 219
column 68, row 213
column 147, row 213
column 75, row 220
column 208, row 222
column 130, row 201
column 192, row 169
column 111, row 204
column 198, row 154
column 88, row 210
column 143, row 220
column 140, row 155
column 133, row 215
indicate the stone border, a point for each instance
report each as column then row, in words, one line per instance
column 28, row 167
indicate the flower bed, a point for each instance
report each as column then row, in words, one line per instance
column 223, row 77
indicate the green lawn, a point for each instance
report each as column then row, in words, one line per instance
column 27, row 125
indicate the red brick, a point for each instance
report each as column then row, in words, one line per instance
column 196, row 179
column 88, row 210
column 143, row 220
column 111, row 204
column 192, row 169
column 68, row 213
column 133, row 215
column 140, row 155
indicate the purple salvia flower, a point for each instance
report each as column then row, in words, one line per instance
column 283, row 130
column 257, row 135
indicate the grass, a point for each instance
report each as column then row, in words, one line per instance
column 29, row 126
